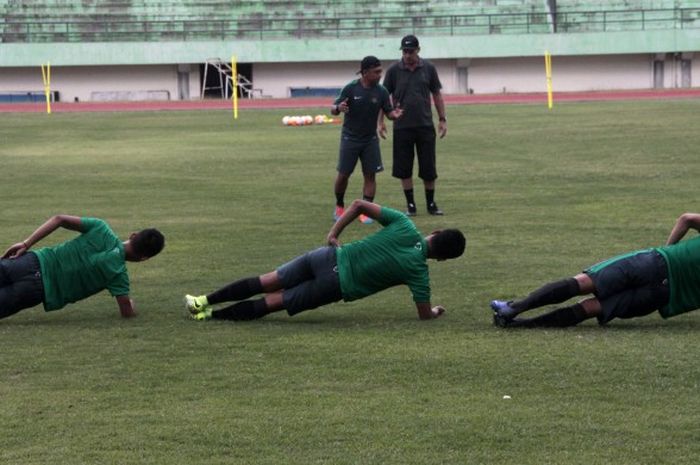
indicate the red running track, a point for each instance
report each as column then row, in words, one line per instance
column 462, row 99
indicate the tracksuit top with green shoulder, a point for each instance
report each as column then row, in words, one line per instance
column 364, row 103
column 683, row 261
column 83, row 266
column 397, row 254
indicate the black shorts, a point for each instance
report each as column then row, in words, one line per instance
column 310, row 280
column 630, row 285
column 20, row 284
column 414, row 141
column 367, row 152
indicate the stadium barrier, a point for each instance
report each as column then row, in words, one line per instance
column 108, row 29
column 36, row 96
column 129, row 95
column 314, row 91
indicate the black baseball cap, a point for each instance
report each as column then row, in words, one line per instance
column 369, row 62
column 409, row 42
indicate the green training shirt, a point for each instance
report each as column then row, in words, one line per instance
column 83, row 266
column 397, row 254
column 360, row 122
column 683, row 260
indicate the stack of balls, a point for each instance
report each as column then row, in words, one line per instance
column 307, row 120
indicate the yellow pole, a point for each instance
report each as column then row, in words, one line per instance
column 234, row 91
column 548, row 73
column 46, row 76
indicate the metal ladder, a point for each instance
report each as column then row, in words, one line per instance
column 225, row 72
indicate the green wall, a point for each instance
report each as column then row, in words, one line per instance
column 310, row 50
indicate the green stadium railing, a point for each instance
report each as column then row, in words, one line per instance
column 258, row 27
column 626, row 20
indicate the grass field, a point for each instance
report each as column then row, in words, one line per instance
column 540, row 196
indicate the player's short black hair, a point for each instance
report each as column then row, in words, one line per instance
column 448, row 243
column 148, row 242
column 369, row 62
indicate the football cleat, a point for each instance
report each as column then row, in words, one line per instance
column 411, row 210
column 201, row 316
column 502, row 322
column 338, row 212
column 196, row 305
column 366, row 219
column 434, row 210
column 503, row 310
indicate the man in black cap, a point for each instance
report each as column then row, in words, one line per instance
column 360, row 101
column 411, row 81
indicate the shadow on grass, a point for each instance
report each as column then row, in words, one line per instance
column 681, row 325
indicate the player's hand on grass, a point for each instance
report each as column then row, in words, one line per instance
column 127, row 307
column 129, row 312
column 15, row 250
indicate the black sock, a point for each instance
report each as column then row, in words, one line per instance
column 559, row 318
column 409, row 197
column 242, row 311
column 238, row 290
column 429, row 197
column 552, row 293
column 340, row 199
column 367, row 198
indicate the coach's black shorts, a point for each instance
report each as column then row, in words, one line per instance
column 20, row 284
column 630, row 285
column 310, row 280
column 409, row 142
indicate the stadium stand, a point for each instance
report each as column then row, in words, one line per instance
column 621, row 15
column 141, row 20
column 304, row 41
column 121, row 20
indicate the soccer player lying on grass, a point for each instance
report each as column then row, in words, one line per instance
column 396, row 254
column 665, row 278
column 75, row 269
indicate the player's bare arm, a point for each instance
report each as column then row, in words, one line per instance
column 442, row 117
column 357, row 208
column 685, row 222
column 426, row 312
column 381, row 126
column 127, row 309
column 52, row 224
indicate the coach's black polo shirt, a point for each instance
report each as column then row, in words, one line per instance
column 412, row 91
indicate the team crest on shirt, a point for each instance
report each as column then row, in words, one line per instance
column 418, row 246
column 375, row 100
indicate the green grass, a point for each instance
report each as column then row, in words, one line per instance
column 540, row 196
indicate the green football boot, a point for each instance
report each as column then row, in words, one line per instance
column 197, row 305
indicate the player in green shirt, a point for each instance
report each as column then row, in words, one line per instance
column 396, row 254
column 361, row 101
column 664, row 279
column 75, row 269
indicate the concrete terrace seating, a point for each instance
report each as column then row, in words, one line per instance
column 626, row 15
column 163, row 20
